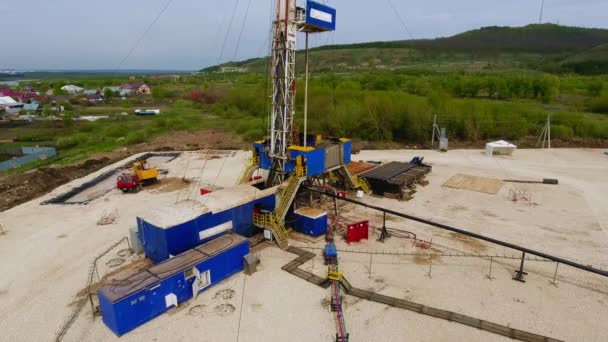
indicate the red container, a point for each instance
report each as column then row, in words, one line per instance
column 357, row 231
column 363, row 230
column 352, row 233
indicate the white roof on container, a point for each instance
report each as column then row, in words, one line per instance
column 234, row 196
column 170, row 215
column 167, row 216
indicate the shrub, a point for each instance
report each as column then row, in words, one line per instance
column 561, row 132
column 35, row 135
column 71, row 141
column 135, row 138
column 599, row 105
column 117, row 131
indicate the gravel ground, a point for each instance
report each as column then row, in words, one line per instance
column 46, row 252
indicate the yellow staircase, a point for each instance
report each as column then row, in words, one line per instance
column 253, row 164
column 355, row 182
column 362, row 183
column 271, row 222
column 275, row 221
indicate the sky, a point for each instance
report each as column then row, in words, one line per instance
column 189, row 35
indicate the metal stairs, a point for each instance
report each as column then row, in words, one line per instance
column 251, row 167
column 354, row 182
column 274, row 221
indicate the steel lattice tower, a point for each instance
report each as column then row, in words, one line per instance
column 283, row 88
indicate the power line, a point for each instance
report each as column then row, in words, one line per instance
column 238, row 42
column 236, row 5
column 143, row 35
column 400, row 19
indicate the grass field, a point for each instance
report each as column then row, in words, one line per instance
column 474, row 100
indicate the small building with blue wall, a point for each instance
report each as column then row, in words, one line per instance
column 168, row 231
column 128, row 303
column 310, row 221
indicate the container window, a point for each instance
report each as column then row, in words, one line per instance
column 189, row 273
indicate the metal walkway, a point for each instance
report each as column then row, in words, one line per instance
column 516, row 334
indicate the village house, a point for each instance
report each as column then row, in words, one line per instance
column 10, row 105
column 72, row 89
column 135, row 88
column 29, row 95
column 94, row 98
column 91, row 92
column 10, row 93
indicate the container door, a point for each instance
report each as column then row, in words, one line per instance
column 332, row 156
column 201, row 280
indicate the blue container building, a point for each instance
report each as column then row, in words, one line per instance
column 127, row 304
column 310, row 221
column 226, row 210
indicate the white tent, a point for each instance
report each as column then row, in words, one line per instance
column 500, row 147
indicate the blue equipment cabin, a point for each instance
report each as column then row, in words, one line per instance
column 320, row 156
column 129, row 303
column 165, row 232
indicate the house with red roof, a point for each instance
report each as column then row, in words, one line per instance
column 10, row 93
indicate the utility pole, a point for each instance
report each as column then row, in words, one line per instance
column 549, row 130
column 433, row 136
column 542, row 7
column 545, row 135
column 436, row 131
column 306, row 90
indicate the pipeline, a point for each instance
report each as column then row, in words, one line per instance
column 333, row 265
column 467, row 233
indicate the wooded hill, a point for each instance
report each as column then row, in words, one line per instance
column 546, row 47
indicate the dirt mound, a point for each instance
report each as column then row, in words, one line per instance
column 20, row 188
column 215, row 139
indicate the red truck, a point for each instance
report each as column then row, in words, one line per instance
column 128, row 182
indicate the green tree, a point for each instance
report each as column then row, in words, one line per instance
column 595, row 88
column 549, row 87
column 108, row 93
column 491, row 86
column 57, row 89
column 68, row 120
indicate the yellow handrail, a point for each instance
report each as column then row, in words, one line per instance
column 362, row 183
column 254, row 161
